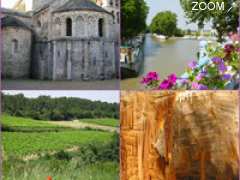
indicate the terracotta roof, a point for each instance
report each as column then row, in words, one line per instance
column 72, row 5
column 10, row 21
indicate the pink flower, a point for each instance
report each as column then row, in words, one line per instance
column 150, row 78
column 165, row 85
column 169, row 83
column 172, row 79
column 234, row 37
column 198, row 86
column 192, row 65
column 195, row 85
column 200, row 76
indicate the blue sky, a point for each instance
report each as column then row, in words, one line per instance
column 171, row 5
column 104, row 96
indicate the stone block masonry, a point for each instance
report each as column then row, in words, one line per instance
column 64, row 40
column 75, row 59
column 17, row 43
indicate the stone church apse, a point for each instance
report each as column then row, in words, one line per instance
column 179, row 135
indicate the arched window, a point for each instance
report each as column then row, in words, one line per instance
column 113, row 17
column 69, row 27
column 111, row 2
column 100, row 27
column 118, row 17
column 14, row 46
column 39, row 23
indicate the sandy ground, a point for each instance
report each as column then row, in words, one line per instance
column 60, row 85
column 80, row 125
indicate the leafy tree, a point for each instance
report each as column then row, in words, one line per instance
column 179, row 33
column 164, row 23
column 47, row 108
column 133, row 18
column 223, row 21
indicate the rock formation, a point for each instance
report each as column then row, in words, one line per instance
column 179, row 135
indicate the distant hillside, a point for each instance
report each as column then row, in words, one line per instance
column 47, row 108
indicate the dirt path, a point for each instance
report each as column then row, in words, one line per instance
column 37, row 156
column 80, row 125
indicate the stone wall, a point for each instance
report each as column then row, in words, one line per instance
column 42, row 61
column 16, row 60
column 75, row 59
column 83, row 56
column 114, row 9
column 84, row 24
column 179, row 135
column 42, row 25
column 83, row 60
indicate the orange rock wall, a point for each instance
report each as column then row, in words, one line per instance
column 173, row 135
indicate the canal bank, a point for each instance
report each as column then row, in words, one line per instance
column 164, row 57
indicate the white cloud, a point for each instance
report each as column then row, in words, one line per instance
column 10, row 4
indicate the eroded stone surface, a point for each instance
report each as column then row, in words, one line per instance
column 166, row 136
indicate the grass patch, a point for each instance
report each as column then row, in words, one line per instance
column 102, row 122
column 11, row 121
column 19, row 124
column 41, row 169
column 92, row 161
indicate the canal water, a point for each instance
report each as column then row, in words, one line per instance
column 164, row 57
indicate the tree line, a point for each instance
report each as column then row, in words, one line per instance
column 63, row 108
column 134, row 14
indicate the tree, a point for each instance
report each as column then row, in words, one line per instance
column 223, row 21
column 133, row 18
column 48, row 108
column 164, row 23
column 179, row 33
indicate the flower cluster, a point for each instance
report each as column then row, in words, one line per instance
column 151, row 80
column 220, row 70
column 169, row 83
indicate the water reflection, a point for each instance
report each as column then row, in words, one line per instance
column 164, row 57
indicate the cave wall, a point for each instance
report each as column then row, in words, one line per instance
column 179, row 135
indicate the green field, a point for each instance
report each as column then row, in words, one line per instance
column 24, row 137
column 102, row 122
column 18, row 124
column 19, row 144
column 24, row 122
